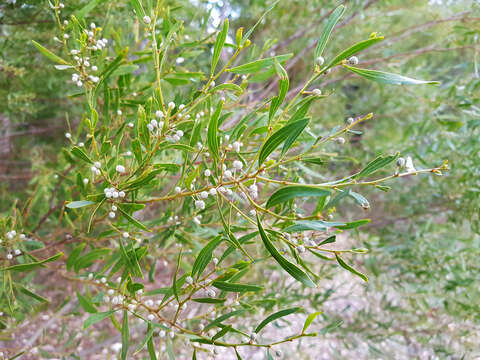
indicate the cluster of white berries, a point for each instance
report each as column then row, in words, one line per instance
column 120, row 169
column 112, row 193
column 154, row 125
column 253, row 191
column 10, row 236
column 340, row 140
column 235, row 146
column 197, row 219
column 353, row 60
column 177, row 136
column 406, row 163
column 320, row 60
column 200, row 204
column 96, row 168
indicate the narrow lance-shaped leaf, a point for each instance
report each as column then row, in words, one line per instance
column 276, row 316
column 315, row 225
column 86, row 304
column 80, row 14
column 132, row 220
column 343, row 264
column 290, row 192
column 222, row 332
column 212, row 138
column 359, row 199
column 287, row 134
column 331, row 22
column 147, row 337
column 292, row 269
column 352, row 50
column 175, row 285
column 205, row 256
column 92, row 319
column 377, row 164
column 27, row 292
column 354, row 224
column 79, row 153
column 49, row 54
column 309, row 320
column 138, row 9
column 260, row 64
column 33, row 265
column 217, row 50
column 388, row 78
column 125, row 335
column 283, row 85
column 231, row 287
column 249, row 32
column 79, row 204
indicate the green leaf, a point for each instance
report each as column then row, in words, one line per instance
column 352, row 50
column 329, row 240
column 146, row 339
column 132, row 220
column 249, row 32
column 388, row 78
column 150, row 345
column 141, row 180
column 86, row 304
column 27, row 292
column 125, row 335
column 276, row 316
column 183, row 147
column 222, row 332
column 231, row 287
column 49, row 54
column 137, row 150
column 125, row 69
column 80, row 14
column 210, row 300
column 79, row 204
column 175, row 285
column 354, row 224
column 359, row 199
column 228, row 86
column 142, row 131
column 223, row 317
column 377, row 164
column 283, row 85
column 87, row 259
column 79, row 153
column 32, row 265
column 258, row 65
column 92, row 319
column 331, row 22
column 315, row 225
column 302, row 110
column 289, row 192
column 309, row 320
column 287, row 134
column 290, row 268
column 349, row 268
column 217, row 50
column 205, row 256
column 212, row 138
column 138, row 9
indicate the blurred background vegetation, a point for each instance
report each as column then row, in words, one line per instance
column 424, row 240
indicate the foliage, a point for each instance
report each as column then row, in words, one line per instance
column 183, row 151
